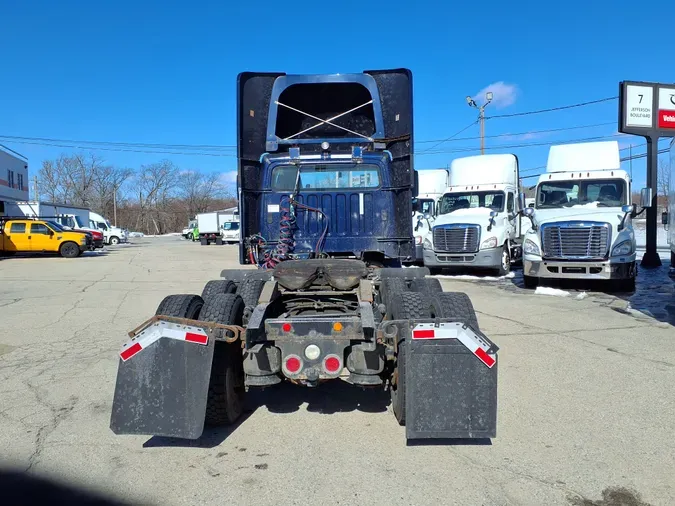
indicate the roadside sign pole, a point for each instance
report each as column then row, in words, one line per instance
column 648, row 110
column 651, row 257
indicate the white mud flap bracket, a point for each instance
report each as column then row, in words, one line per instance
column 163, row 381
column 450, row 382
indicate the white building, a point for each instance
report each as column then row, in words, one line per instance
column 13, row 177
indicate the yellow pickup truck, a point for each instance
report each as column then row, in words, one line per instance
column 40, row 236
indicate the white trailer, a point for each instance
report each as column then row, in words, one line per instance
column 208, row 225
column 478, row 224
column 582, row 220
column 66, row 215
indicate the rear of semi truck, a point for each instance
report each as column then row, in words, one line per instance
column 325, row 187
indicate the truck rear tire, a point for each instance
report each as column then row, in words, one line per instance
column 218, row 286
column 69, row 250
column 457, row 306
column 530, row 281
column 204, row 241
column 181, row 306
column 250, row 290
column 219, row 241
column 406, row 306
column 225, row 401
column 389, row 287
column 426, row 285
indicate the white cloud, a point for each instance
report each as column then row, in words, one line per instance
column 229, row 177
column 504, row 94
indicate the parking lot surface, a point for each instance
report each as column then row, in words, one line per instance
column 586, row 404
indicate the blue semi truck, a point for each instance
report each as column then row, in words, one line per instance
column 325, row 186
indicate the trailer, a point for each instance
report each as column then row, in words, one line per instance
column 326, row 186
column 208, row 225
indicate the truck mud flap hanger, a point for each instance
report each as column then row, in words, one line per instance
column 450, row 380
column 163, row 377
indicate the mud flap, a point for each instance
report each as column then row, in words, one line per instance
column 451, row 382
column 162, row 388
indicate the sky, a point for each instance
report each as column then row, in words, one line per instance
column 150, row 72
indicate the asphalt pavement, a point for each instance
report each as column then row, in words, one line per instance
column 586, row 404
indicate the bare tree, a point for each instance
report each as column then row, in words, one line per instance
column 156, row 184
column 663, row 178
column 198, row 191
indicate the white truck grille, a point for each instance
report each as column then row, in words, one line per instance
column 456, row 238
column 575, row 240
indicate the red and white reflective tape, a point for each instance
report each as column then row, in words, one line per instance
column 163, row 329
column 455, row 330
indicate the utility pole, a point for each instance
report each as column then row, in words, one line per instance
column 630, row 160
column 481, row 116
column 36, row 193
column 115, row 205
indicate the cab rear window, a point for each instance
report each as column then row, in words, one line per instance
column 326, row 177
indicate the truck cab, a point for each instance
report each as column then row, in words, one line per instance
column 189, row 231
column 431, row 185
column 311, row 188
column 26, row 235
column 581, row 222
column 478, row 222
column 113, row 235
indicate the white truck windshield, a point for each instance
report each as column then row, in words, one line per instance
column 453, row 201
column 602, row 192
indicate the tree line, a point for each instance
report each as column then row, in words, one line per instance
column 154, row 199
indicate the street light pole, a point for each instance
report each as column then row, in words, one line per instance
column 481, row 116
column 115, row 205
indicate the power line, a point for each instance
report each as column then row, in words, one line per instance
column 16, row 138
column 552, row 109
column 519, row 146
column 549, row 130
column 154, row 152
column 451, row 137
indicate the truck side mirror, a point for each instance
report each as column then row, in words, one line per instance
column 416, row 184
column 664, row 218
column 646, row 197
column 521, row 201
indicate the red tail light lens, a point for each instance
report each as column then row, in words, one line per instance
column 286, row 327
column 293, row 364
column 332, row 364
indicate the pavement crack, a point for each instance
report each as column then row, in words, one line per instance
column 58, row 414
column 13, row 301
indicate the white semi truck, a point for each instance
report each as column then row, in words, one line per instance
column 581, row 225
column 478, row 223
column 113, row 235
column 432, row 183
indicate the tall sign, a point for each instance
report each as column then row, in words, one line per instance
column 648, row 110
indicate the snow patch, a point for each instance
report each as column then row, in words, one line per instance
column 545, row 290
column 581, row 296
column 467, row 277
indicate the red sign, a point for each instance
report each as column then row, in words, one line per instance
column 666, row 119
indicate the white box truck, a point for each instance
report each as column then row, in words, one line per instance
column 432, row 183
column 208, row 225
column 581, row 225
column 478, row 221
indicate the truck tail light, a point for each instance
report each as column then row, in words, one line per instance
column 332, row 364
column 292, row 364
